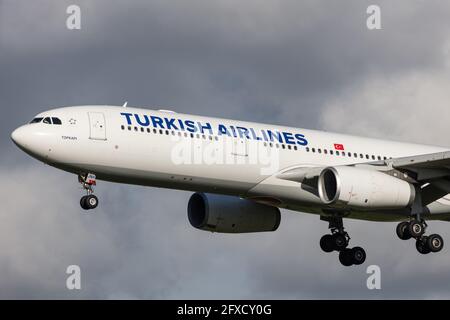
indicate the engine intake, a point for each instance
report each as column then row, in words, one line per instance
column 364, row 188
column 229, row 214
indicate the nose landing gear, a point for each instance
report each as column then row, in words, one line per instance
column 89, row 201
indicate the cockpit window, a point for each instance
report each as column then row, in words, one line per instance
column 47, row 120
column 56, row 121
column 36, row 120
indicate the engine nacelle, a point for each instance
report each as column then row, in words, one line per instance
column 363, row 188
column 228, row 214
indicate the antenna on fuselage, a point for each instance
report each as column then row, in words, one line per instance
column 125, row 104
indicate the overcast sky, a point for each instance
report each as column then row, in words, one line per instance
column 310, row 64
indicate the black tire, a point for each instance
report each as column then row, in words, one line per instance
column 326, row 243
column 422, row 246
column 91, row 202
column 83, row 203
column 345, row 257
column 416, row 229
column 435, row 243
column 358, row 255
column 403, row 230
column 339, row 241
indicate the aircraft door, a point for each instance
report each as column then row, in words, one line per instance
column 97, row 125
column 240, row 147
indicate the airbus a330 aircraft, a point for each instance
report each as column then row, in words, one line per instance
column 243, row 172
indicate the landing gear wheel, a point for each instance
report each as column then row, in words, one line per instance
column 403, row 230
column 89, row 202
column 339, row 241
column 358, row 255
column 422, row 246
column 326, row 243
column 435, row 243
column 416, row 229
column 345, row 257
column 83, row 203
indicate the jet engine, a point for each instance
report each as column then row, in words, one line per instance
column 363, row 188
column 229, row 214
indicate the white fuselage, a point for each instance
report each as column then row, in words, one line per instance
column 171, row 150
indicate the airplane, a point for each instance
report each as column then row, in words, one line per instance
column 242, row 173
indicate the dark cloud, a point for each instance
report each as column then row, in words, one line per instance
column 310, row 64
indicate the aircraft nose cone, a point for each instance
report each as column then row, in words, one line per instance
column 18, row 137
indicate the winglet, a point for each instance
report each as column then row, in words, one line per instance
column 125, row 104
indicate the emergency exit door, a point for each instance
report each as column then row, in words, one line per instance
column 97, row 126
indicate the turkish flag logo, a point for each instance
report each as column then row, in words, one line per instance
column 339, row 146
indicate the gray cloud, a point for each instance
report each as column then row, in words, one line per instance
column 310, row 64
column 409, row 107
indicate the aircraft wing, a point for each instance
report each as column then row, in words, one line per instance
column 425, row 167
column 430, row 171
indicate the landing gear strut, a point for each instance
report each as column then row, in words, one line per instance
column 338, row 240
column 416, row 228
column 89, row 201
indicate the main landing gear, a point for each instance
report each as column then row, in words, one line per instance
column 416, row 229
column 338, row 240
column 89, row 201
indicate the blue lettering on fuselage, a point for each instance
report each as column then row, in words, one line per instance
column 221, row 129
column 190, row 125
column 170, row 124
